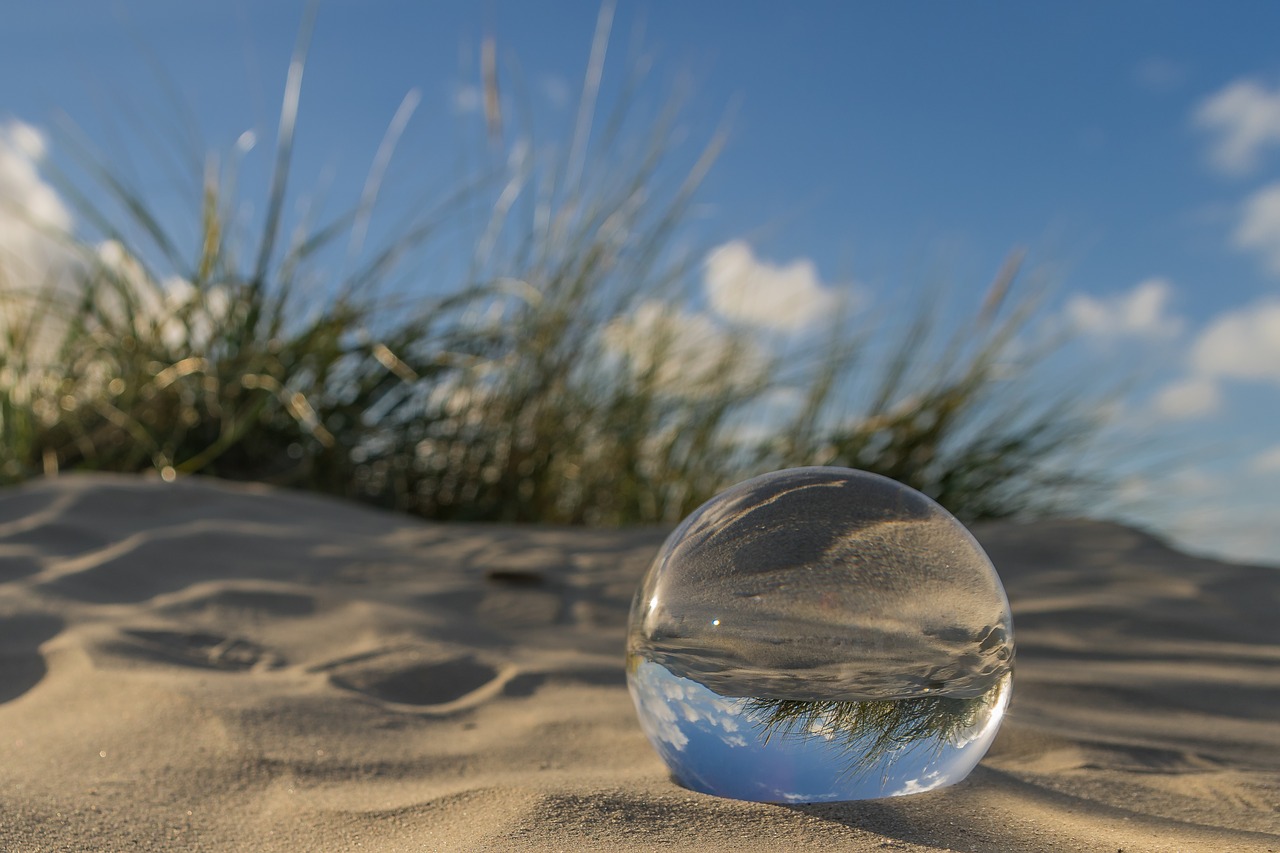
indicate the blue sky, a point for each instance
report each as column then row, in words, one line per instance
column 1133, row 148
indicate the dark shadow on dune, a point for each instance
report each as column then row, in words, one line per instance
column 149, row 568
column 12, row 568
column 1230, row 701
column 17, row 506
column 456, row 601
column 60, row 539
column 514, row 577
column 127, row 505
column 894, row 819
column 528, row 683
column 21, row 664
column 915, row 819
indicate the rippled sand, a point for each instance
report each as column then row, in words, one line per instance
column 200, row 666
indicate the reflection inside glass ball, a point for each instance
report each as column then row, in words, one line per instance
column 820, row 634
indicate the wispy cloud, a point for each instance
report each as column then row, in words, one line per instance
column 745, row 289
column 1268, row 461
column 1188, row 398
column 31, row 211
column 1244, row 117
column 1142, row 312
column 36, row 263
column 1259, row 226
column 1241, row 344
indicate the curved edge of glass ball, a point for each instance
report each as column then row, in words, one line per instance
column 820, row 634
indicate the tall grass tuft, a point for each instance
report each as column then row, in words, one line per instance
column 966, row 419
column 232, row 362
column 569, row 377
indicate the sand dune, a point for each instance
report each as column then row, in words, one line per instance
column 200, row 666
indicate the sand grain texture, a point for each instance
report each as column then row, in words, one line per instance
column 201, row 666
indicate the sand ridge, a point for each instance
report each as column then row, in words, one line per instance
column 206, row 666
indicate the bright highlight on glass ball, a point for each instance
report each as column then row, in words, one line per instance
column 820, row 634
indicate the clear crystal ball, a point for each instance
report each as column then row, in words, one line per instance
column 820, row 634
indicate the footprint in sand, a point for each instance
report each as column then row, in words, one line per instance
column 211, row 651
column 404, row 679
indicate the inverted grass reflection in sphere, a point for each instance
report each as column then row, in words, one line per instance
column 820, row 634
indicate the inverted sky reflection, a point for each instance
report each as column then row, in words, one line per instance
column 714, row 745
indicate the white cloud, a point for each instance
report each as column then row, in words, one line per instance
column 1245, row 116
column 1189, row 398
column 41, row 273
column 673, row 708
column 32, row 214
column 745, row 289
column 37, row 265
column 1140, row 313
column 1268, row 460
column 684, row 351
column 174, row 311
column 925, row 783
column 1259, row 227
column 1241, row 344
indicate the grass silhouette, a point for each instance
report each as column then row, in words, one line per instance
column 867, row 732
column 568, row 377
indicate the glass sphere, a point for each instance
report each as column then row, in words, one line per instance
column 820, row 634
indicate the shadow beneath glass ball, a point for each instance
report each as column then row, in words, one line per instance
column 920, row 819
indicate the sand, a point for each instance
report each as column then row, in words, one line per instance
column 202, row 666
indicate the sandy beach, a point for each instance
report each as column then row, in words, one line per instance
column 206, row 666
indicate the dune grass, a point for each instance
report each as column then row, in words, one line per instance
column 569, row 377
column 867, row 732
